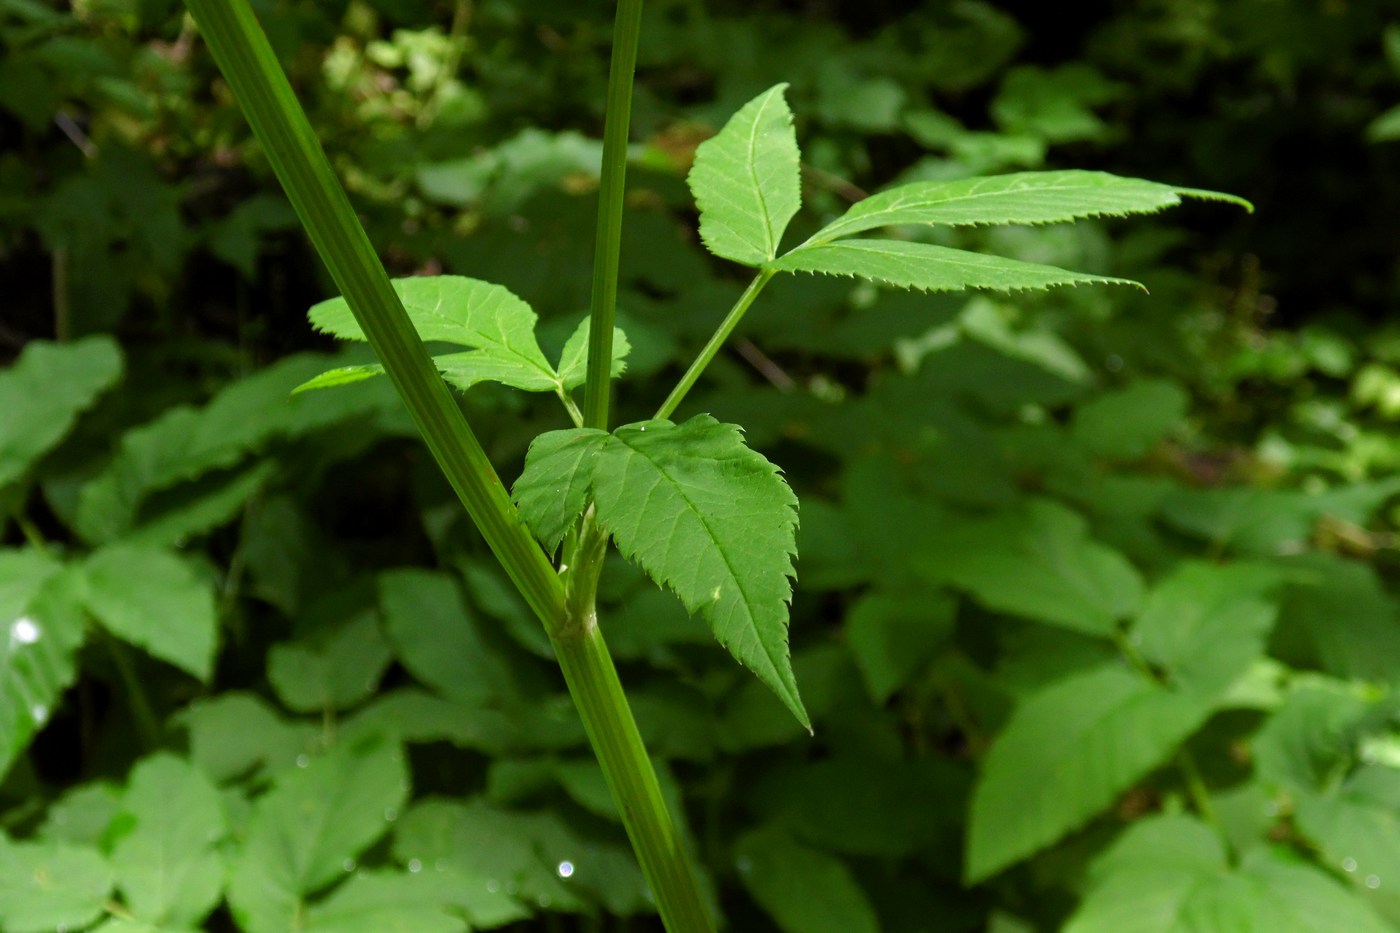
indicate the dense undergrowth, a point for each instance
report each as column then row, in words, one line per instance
column 1096, row 617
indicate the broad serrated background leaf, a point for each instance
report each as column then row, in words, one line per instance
column 438, row 638
column 1206, row 623
column 930, row 268
column 155, row 600
column 1066, row 753
column 316, row 818
column 747, row 181
column 168, row 866
column 41, row 626
column 43, row 392
column 334, row 671
column 1062, row 575
column 713, row 520
column 1170, row 874
column 48, row 886
column 419, row 901
column 1018, row 198
column 804, row 890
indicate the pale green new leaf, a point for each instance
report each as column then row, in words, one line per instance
column 154, row 600
column 553, row 489
column 41, row 628
column 699, row 512
column 168, row 867
column 47, row 886
column 573, row 361
column 930, row 268
column 302, row 832
column 455, row 309
column 389, row 902
column 43, row 392
column 703, row 514
column 1205, row 624
column 1065, row 756
column 747, row 181
column 1170, row 874
column 1017, row 198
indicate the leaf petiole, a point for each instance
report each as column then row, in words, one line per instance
column 717, row 339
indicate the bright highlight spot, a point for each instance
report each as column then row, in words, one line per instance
column 24, row 631
column 566, row 869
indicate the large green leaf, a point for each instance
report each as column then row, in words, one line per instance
column 1066, row 754
column 314, row 821
column 1205, row 624
column 42, row 630
column 804, row 890
column 1018, row 198
column 43, row 392
column 416, row 901
column 471, row 313
column 1356, row 828
column 554, row 488
column 155, row 600
column 1061, row 575
column 334, row 670
column 930, row 268
column 694, row 507
column 1170, row 874
column 438, row 638
column 167, row 866
column 497, row 325
column 47, row 886
column 747, row 181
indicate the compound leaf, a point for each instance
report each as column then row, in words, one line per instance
column 930, row 268
column 1066, row 754
column 747, row 181
column 1017, row 198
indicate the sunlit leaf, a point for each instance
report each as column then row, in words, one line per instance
column 694, row 507
column 156, row 601
column 928, row 267
column 1066, row 754
column 747, row 181
column 1017, row 198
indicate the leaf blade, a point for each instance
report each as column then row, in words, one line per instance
column 747, row 180
column 702, row 513
column 553, row 489
column 930, row 268
column 1016, row 198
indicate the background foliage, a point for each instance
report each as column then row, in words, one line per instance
column 1095, row 618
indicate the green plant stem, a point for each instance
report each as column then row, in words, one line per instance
column 717, row 339
column 593, row 681
column 608, row 241
column 248, row 63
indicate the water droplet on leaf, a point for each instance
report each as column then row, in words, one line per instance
column 565, row 869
